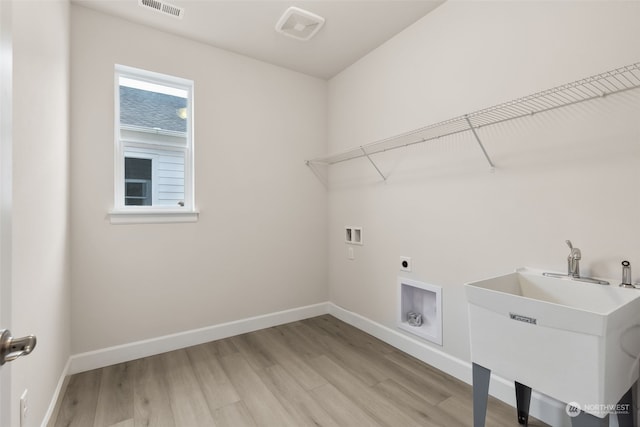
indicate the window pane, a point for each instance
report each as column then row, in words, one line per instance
column 136, row 189
column 137, row 168
column 152, row 106
column 137, row 181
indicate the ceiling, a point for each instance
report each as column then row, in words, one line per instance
column 352, row 28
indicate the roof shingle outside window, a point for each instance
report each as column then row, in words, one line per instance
column 151, row 110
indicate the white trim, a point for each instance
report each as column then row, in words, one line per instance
column 154, row 217
column 153, row 77
column 542, row 407
column 126, row 352
column 57, row 394
column 6, row 203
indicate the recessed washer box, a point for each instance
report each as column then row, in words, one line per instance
column 424, row 299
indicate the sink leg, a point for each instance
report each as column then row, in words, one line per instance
column 481, row 377
column 625, row 407
column 523, row 399
column 587, row 420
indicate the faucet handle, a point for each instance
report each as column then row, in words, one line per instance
column 575, row 252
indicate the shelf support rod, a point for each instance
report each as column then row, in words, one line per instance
column 479, row 142
column 384, row 178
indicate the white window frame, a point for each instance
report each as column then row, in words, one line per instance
column 122, row 214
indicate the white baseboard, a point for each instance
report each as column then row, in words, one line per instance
column 542, row 407
column 56, row 394
column 136, row 350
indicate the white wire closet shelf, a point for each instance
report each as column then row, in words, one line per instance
column 594, row 87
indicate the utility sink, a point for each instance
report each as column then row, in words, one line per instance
column 573, row 341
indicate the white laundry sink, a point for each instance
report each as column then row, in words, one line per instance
column 574, row 341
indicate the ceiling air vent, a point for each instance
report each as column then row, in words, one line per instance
column 163, row 7
column 299, row 24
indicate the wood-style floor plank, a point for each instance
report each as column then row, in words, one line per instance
column 350, row 335
column 298, row 337
column 234, row 415
column 151, row 401
column 223, row 347
column 416, row 406
column 78, row 408
column 188, row 403
column 315, row 372
column 262, row 404
column 341, row 408
column 423, row 383
column 126, row 423
column 115, row 398
column 217, row 389
column 298, row 368
column 382, row 410
column 439, row 383
column 304, row 410
column 361, row 364
column 252, row 351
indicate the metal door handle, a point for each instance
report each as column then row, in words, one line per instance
column 12, row 348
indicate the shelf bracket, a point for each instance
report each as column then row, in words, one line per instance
column 479, row 142
column 384, row 178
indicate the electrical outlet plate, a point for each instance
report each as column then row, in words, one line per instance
column 23, row 408
column 405, row 263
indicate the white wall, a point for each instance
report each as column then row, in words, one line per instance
column 569, row 174
column 260, row 243
column 41, row 283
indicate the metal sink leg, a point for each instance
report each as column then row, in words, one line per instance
column 523, row 401
column 481, row 378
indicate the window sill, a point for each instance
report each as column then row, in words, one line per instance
column 152, row 217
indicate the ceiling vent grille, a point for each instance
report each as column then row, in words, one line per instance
column 163, row 7
column 299, row 24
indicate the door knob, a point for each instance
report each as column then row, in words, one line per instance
column 12, row 348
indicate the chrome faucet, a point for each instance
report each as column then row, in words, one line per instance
column 573, row 268
column 573, row 261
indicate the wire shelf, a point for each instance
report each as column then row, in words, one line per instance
column 594, row 87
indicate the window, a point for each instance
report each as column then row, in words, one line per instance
column 154, row 148
column 137, row 181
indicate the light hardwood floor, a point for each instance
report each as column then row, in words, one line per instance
column 316, row 372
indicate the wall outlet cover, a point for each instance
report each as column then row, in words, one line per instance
column 405, row 263
column 23, row 408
